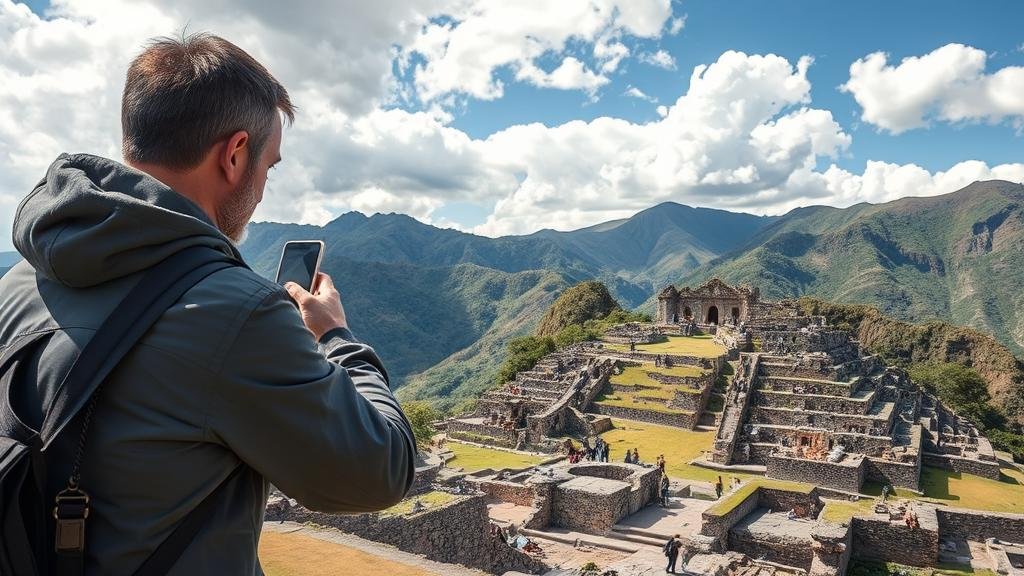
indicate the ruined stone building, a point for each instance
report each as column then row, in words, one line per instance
column 714, row 302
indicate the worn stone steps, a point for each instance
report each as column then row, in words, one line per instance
column 642, row 532
column 635, row 538
column 570, row 538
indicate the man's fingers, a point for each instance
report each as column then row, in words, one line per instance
column 325, row 283
column 297, row 292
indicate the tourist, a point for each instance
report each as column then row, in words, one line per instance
column 629, row 457
column 661, row 462
column 664, row 490
column 251, row 381
column 718, row 488
column 607, row 451
column 636, row 456
column 671, row 550
column 791, row 515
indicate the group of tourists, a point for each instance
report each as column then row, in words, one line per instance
column 671, row 551
column 596, row 452
column 734, row 483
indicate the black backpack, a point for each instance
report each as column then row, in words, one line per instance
column 24, row 504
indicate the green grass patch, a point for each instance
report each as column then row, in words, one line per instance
column 861, row 567
column 640, row 400
column 433, row 499
column 967, row 490
column 641, row 375
column 702, row 346
column 678, row 445
column 840, row 511
column 727, row 503
column 475, row 458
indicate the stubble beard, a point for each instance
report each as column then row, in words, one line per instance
column 234, row 214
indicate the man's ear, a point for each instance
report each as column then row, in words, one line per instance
column 234, row 157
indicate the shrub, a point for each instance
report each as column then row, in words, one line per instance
column 421, row 415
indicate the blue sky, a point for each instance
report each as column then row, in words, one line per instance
column 835, row 37
column 435, row 140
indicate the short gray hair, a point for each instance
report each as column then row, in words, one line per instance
column 181, row 96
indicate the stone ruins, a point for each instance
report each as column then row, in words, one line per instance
column 778, row 394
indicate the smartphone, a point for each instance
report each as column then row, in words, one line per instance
column 300, row 263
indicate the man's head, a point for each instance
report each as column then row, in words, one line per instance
column 204, row 117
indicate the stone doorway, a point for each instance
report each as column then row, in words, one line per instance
column 713, row 315
column 687, row 313
column 735, row 315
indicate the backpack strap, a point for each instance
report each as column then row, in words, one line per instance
column 160, row 287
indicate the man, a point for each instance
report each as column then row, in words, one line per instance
column 718, row 488
column 664, row 490
column 671, row 550
column 233, row 373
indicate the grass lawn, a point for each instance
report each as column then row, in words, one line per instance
column 641, row 374
column 641, row 400
column 431, row 499
column 702, row 346
column 859, row 567
column 727, row 503
column 474, row 458
column 679, row 447
column 967, row 490
column 840, row 511
column 302, row 555
column 945, row 487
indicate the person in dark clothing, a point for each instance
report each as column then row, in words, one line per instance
column 718, row 487
column 664, row 490
column 671, row 550
column 239, row 374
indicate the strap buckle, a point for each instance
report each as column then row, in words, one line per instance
column 70, row 511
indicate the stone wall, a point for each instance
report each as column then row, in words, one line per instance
column 847, row 475
column 779, row 548
column 978, row 526
column 965, row 465
column 455, row 533
column 587, row 511
column 681, row 419
column 838, row 404
column 794, row 385
column 778, row 500
column 518, row 494
column 717, row 526
column 878, row 538
column 832, row 547
column 901, row 474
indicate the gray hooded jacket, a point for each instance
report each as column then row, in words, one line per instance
column 228, row 374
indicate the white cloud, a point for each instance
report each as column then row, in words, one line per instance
column 661, row 59
column 948, row 84
column 570, row 74
column 463, row 54
column 634, row 92
column 676, row 25
column 743, row 136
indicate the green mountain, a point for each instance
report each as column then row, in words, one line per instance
column 576, row 305
column 957, row 257
column 440, row 305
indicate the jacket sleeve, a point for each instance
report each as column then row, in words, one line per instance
column 316, row 419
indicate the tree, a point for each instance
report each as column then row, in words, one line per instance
column 421, row 415
column 961, row 388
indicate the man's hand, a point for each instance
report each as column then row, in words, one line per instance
column 321, row 311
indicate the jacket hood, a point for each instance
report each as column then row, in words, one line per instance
column 92, row 220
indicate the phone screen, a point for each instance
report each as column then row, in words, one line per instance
column 299, row 263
